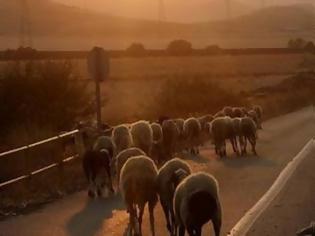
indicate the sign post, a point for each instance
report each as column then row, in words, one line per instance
column 98, row 66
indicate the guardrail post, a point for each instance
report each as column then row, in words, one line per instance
column 27, row 168
column 60, row 151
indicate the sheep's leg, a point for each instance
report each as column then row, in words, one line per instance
column 241, row 141
column 173, row 221
column 198, row 231
column 166, row 213
column 234, row 146
column 245, row 145
column 217, row 222
column 92, row 186
column 141, row 209
column 181, row 230
column 151, row 213
column 132, row 217
column 252, row 141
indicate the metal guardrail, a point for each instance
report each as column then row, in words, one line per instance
column 41, row 170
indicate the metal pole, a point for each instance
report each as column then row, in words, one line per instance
column 98, row 104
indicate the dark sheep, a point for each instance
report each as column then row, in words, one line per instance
column 196, row 201
column 93, row 164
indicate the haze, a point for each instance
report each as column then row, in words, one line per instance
column 176, row 10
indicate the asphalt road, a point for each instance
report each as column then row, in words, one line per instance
column 242, row 180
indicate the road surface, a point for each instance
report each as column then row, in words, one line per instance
column 293, row 208
column 243, row 180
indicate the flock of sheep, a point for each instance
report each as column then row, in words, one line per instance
column 134, row 152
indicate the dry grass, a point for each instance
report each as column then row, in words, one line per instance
column 148, row 87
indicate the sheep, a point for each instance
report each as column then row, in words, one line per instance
column 157, row 132
column 228, row 111
column 170, row 138
column 180, row 126
column 192, row 131
column 123, row 157
column 204, row 122
column 259, row 112
column 122, row 138
column 138, row 187
column 222, row 129
column 248, row 129
column 157, row 151
column 142, row 136
column 253, row 114
column 104, row 142
column 196, row 201
column 219, row 114
column 237, row 112
column 166, row 182
column 93, row 163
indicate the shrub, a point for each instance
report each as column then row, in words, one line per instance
column 213, row 49
column 179, row 47
column 44, row 94
column 136, row 49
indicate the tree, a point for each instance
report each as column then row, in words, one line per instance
column 45, row 94
column 179, row 47
column 136, row 49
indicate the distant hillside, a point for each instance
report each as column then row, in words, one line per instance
column 175, row 10
column 56, row 25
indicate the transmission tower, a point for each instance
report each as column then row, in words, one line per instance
column 161, row 11
column 25, row 34
column 228, row 9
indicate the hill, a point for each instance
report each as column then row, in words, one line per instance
column 58, row 26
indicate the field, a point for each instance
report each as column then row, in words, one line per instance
column 135, row 84
column 145, row 88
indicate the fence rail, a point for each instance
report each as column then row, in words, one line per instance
column 43, row 169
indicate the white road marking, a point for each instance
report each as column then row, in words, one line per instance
column 247, row 221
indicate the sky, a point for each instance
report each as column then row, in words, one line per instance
column 176, row 10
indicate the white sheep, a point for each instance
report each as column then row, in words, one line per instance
column 180, row 126
column 167, row 183
column 123, row 157
column 222, row 129
column 138, row 187
column 157, row 151
column 204, row 122
column 121, row 137
column 170, row 138
column 196, row 201
column 192, row 134
column 228, row 111
column 249, row 132
column 142, row 136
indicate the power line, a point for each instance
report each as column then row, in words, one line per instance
column 25, row 34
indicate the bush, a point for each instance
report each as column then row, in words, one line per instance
column 136, row 49
column 179, row 47
column 213, row 49
column 41, row 94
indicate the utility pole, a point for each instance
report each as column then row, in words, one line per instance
column 161, row 11
column 25, row 34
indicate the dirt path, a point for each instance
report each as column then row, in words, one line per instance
column 242, row 182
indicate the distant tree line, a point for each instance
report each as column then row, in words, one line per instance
column 302, row 44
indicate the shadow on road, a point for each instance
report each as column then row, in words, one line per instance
column 90, row 219
column 248, row 160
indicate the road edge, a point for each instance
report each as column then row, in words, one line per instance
column 246, row 222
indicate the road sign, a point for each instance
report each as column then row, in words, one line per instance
column 98, row 64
